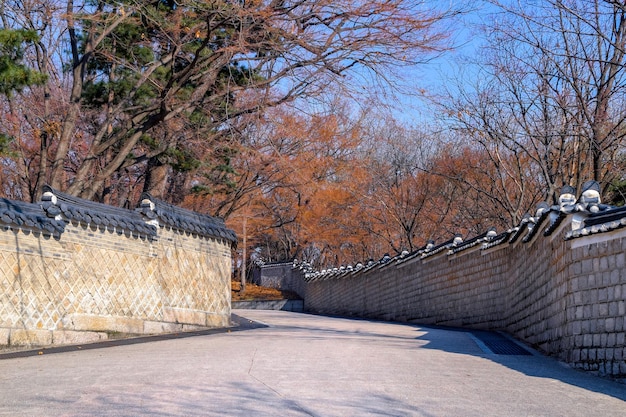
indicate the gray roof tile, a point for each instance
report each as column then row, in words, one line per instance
column 185, row 220
column 85, row 211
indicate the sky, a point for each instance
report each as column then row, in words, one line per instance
column 446, row 69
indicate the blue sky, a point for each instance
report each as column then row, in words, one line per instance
column 447, row 68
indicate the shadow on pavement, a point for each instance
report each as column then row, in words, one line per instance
column 527, row 361
column 232, row 399
column 491, row 345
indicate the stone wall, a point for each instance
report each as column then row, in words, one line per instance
column 558, row 282
column 73, row 271
column 275, row 275
column 279, row 275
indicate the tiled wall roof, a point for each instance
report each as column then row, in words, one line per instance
column 185, row 220
column 56, row 208
column 20, row 214
column 56, row 203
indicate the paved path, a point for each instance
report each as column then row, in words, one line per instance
column 304, row 365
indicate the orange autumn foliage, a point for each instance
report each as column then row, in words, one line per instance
column 331, row 191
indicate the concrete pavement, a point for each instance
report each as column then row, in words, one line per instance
column 304, row 365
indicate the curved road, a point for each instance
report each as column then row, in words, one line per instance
column 304, row 365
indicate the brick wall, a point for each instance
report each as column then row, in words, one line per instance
column 73, row 271
column 563, row 293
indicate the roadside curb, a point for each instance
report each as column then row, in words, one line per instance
column 237, row 324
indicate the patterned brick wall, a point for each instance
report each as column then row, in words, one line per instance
column 102, row 270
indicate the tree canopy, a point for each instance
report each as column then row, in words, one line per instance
column 142, row 81
column 270, row 114
column 15, row 75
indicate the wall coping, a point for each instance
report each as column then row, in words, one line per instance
column 56, row 209
column 62, row 206
column 185, row 220
column 31, row 216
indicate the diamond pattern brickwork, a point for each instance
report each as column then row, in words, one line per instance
column 31, row 293
column 203, row 273
column 94, row 272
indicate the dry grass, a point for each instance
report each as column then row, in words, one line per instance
column 255, row 292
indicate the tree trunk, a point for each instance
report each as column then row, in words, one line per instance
column 157, row 177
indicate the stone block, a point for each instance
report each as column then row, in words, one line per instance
column 4, row 336
column 217, row 320
column 72, row 337
column 90, row 322
column 22, row 337
column 614, row 276
column 610, row 292
column 579, row 314
column 184, row 316
column 597, row 339
column 604, row 263
column 611, row 340
column 609, row 324
column 192, row 328
column 155, row 327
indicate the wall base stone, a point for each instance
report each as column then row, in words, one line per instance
column 70, row 337
column 27, row 338
column 92, row 322
column 4, row 336
column 184, row 316
column 192, row 328
column 156, row 327
column 217, row 320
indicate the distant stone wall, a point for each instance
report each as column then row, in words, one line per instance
column 279, row 275
column 275, row 275
column 73, row 271
column 558, row 282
